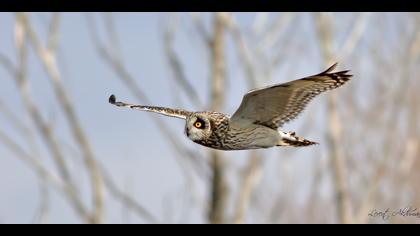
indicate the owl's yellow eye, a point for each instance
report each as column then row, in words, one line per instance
column 198, row 124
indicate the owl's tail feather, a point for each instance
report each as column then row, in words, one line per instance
column 290, row 139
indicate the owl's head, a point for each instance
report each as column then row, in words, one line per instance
column 198, row 127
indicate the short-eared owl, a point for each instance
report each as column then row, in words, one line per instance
column 262, row 111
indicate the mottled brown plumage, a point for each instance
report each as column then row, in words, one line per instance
column 262, row 111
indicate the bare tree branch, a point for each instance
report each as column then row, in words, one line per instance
column 131, row 203
column 274, row 33
column 244, row 53
column 34, row 163
column 48, row 59
column 355, row 35
column 43, row 211
column 260, row 22
column 218, row 185
column 7, row 65
column 176, row 66
column 324, row 21
column 252, row 172
column 14, row 120
column 53, row 34
column 184, row 157
column 398, row 99
column 201, row 29
column 35, row 114
column 251, row 177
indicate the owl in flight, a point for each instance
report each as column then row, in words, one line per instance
column 255, row 123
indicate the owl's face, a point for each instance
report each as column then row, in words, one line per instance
column 198, row 127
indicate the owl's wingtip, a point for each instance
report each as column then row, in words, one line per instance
column 112, row 99
column 331, row 68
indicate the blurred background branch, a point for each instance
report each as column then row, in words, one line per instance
column 218, row 189
column 47, row 56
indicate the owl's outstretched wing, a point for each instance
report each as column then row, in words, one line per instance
column 275, row 105
column 177, row 113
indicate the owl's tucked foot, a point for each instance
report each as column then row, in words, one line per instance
column 290, row 139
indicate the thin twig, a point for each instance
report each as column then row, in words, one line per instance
column 201, row 29
column 177, row 68
column 14, row 120
column 19, row 125
column 34, row 163
column 131, row 203
column 274, row 33
column 7, row 64
column 355, row 35
column 244, row 52
column 260, row 22
column 114, row 46
column 53, row 34
column 43, row 211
